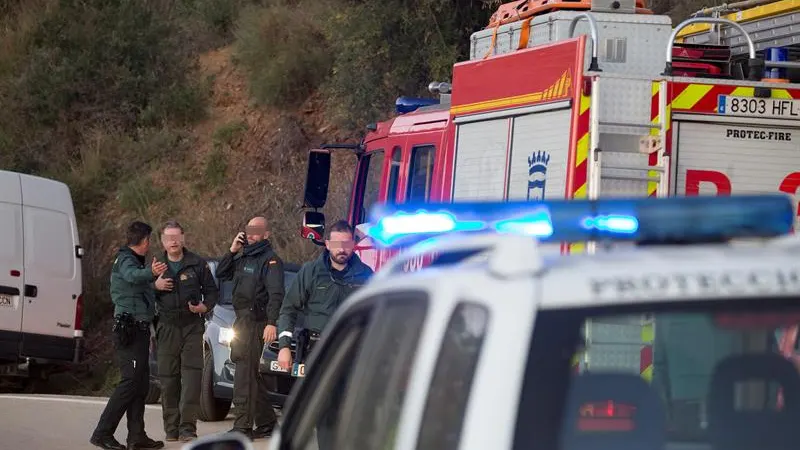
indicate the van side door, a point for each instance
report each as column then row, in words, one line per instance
column 52, row 270
column 11, row 264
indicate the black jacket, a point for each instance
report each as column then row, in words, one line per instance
column 193, row 281
column 316, row 293
column 257, row 274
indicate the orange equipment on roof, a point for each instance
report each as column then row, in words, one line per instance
column 522, row 9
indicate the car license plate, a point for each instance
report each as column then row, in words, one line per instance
column 6, row 301
column 769, row 108
column 275, row 367
column 299, row 370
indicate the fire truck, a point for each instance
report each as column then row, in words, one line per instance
column 587, row 100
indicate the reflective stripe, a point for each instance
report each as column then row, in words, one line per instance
column 285, row 334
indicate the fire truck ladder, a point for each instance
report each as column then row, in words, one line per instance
column 653, row 144
column 769, row 24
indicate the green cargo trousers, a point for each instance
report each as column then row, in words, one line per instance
column 180, row 368
column 250, row 388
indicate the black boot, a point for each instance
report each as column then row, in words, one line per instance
column 106, row 442
column 145, row 444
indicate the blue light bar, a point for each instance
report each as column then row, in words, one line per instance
column 651, row 220
column 405, row 105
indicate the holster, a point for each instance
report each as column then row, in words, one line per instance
column 306, row 340
column 124, row 328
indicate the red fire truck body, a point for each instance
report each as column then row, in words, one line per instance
column 607, row 113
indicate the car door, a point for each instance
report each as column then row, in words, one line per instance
column 354, row 390
column 11, row 260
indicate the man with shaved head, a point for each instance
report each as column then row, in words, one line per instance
column 257, row 274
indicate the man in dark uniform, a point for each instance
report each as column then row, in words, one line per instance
column 257, row 275
column 317, row 291
column 320, row 287
column 185, row 292
column 134, row 306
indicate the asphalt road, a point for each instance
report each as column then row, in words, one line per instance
column 44, row 422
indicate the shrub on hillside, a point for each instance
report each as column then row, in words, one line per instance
column 392, row 48
column 117, row 65
column 283, row 52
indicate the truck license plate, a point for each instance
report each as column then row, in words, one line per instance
column 6, row 301
column 769, row 108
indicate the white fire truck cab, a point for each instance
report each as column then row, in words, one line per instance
column 477, row 350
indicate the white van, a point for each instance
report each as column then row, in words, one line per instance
column 40, row 274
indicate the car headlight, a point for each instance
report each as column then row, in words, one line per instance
column 226, row 336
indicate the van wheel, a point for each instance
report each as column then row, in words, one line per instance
column 153, row 393
column 211, row 409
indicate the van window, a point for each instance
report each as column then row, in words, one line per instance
column 452, row 380
column 420, row 173
column 372, row 185
column 394, row 175
column 385, row 368
column 49, row 249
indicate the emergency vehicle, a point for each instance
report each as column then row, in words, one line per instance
column 474, row 352
column 588, row 99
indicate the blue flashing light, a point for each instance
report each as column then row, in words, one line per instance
column 405, row 105
column 652, row 220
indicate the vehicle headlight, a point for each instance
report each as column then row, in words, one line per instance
column 226, row 336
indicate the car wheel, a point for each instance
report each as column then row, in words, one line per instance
column 211, row 409
column 153, row 393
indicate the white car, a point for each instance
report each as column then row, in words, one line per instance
column 652, row 347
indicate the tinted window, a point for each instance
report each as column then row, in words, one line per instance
column 421, row 173
column 372, row 184
column 384, row 371
column 226, row 293
column 452, row 380
column 721, row 375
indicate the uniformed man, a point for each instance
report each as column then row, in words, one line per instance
column 257, row 294
column 317, row 291
column 134, row 306
column 185, row 292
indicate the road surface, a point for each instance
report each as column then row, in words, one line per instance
column 44, row 422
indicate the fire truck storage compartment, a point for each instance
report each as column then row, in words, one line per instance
column 734, row 158
column 629, row 43
column 531, row 166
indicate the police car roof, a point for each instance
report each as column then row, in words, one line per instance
column 634, row 275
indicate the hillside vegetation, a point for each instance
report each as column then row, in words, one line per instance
column 203, row 110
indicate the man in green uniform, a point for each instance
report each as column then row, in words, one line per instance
column 257, row 274
column 185, row 292
column 317, row 291
column 134, row 306
column 320, row 287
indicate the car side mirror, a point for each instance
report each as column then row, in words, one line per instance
column 313, row 227
column 224, row 441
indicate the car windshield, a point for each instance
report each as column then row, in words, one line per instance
column 721, row 375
